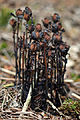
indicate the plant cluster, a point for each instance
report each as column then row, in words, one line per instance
column 71, row 107
column 40, row 57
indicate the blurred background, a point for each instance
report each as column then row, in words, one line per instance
column 69, row 11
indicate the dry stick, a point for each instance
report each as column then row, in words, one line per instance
column 7, row 71
column 6, row 61
column 68, row 80
column 54, row 107
column 25, row 107
column 27, row 114
column 8, row 79
column 28, row 99
column 75, row 95
column 2, row 107
column 8, row 56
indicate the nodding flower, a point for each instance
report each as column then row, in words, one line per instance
column 26, row 17
column 49, row 53
column 64, row 48
column 33, row 47
column 55, row 17
column 35, row 35
column 47, row 37
column 67, row 47
column 19, row 12
column 13, row 22
column 56, row 27
column 59, row 25
column 60, row 28
column 31, row 28
column 28, row 11
column 57, row 38
column 38, row 27
column 46, row 22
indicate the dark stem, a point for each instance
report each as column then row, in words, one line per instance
column 55, row 66
column 16, row 52
column 35, row 69
column 46, row 74
column 23, row 59
column 51, row 77
column 20, row 62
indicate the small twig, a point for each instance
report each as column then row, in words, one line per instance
column 75, row 95
column 27, row 100
column 68, row 80
column 76, row 85
column 54, row 107
column 27, row 113
column 25, row 107
column 4, row 99
column 8, row 56
column 7, row 71
column 6, row 61
column 37, row 108
column 8, row 79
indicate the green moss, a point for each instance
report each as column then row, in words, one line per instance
column 75, row 77
column 71, row 106
column 3, row 45
column 4, row 16
column 29, row 22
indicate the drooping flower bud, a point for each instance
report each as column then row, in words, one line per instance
column 28, row 11
column 19, row 12
column 26, row 17
column 13, row 22
column 38, row 27
column 55, row 17
column 46, row 22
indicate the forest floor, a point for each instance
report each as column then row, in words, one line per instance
column 9, row 95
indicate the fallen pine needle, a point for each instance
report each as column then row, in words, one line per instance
column 4, row 78
column 27, row 100
column 76, row 96
column 7, row 71
column 25, row 107
column 54, row 107
column 8, row 85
